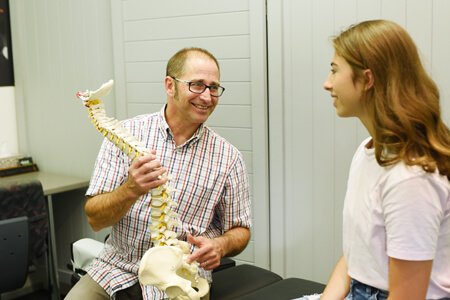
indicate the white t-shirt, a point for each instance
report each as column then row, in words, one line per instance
column 397, row 211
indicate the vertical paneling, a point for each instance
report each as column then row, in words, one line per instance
column 368, row 10
column 310, row 147
column 394, row 10
column 419, row 24
column 300, row 152
column 440, row 49
column 277, row 139
column 8, row 129
column 259, row 166
column 323, row 159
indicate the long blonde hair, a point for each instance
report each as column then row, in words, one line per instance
column 403, row 103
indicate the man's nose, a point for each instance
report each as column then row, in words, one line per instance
column 206, row 95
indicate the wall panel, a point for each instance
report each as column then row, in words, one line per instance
column 152, row 50
column 232, row 116
column 187, row 27
column 440, row 60
column 419, row 24
column 135, row 10
column 150, row 32
column 299, row 149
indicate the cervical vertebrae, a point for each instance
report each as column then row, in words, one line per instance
column 164, row 265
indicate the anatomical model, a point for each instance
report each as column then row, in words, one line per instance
column 163, row 265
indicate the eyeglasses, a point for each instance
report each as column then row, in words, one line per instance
column 198, row 87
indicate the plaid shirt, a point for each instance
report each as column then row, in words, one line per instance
column 212, row 195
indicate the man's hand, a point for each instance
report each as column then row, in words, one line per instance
column 145, row 174
column 107, row 209
column 209, row 253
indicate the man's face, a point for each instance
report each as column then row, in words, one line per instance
column 191, row 108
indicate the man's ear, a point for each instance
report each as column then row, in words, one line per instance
column 368, row 79
column 169, row 86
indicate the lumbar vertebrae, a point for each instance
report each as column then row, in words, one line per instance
column 164, row 265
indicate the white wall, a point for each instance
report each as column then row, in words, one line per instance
column 59, row 48
column 8, row 127
column 310, row 147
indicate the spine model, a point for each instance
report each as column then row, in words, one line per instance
column 163, row 267
column 163, row 217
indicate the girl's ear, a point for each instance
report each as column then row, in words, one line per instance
column 368, row 79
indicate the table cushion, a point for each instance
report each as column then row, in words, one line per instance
column 240, row 280
column 287, row 289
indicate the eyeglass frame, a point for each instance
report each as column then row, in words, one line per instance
column 206, row 86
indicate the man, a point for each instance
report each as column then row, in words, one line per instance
column 208, row 173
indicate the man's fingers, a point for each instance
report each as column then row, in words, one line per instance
column 146, row 173
column 191, row 239
column 205, row 251
column 143, row 160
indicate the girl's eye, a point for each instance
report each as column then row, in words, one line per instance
column 333, row 71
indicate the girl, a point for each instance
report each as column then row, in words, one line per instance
column 397, row 207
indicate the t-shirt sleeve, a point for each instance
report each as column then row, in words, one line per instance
column 413, row 213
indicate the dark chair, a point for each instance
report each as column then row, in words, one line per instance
column 25, row 198
column 225, row 263
column 14, row 244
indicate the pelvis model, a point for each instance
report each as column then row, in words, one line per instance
column 163, row 265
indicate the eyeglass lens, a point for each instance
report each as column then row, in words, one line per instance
column 200, row 87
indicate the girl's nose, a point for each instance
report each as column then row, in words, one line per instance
column 327, row 83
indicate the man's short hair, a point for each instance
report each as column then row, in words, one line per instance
column 176, row 66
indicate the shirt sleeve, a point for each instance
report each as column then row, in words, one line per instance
column 413, row 213
column 110, row 170
column 234, row 208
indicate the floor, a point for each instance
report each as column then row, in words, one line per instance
column 44, row 294
column 38, row 295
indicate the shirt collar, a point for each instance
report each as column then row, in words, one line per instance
column 167, row 132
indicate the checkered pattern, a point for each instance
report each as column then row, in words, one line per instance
column 212, row 195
